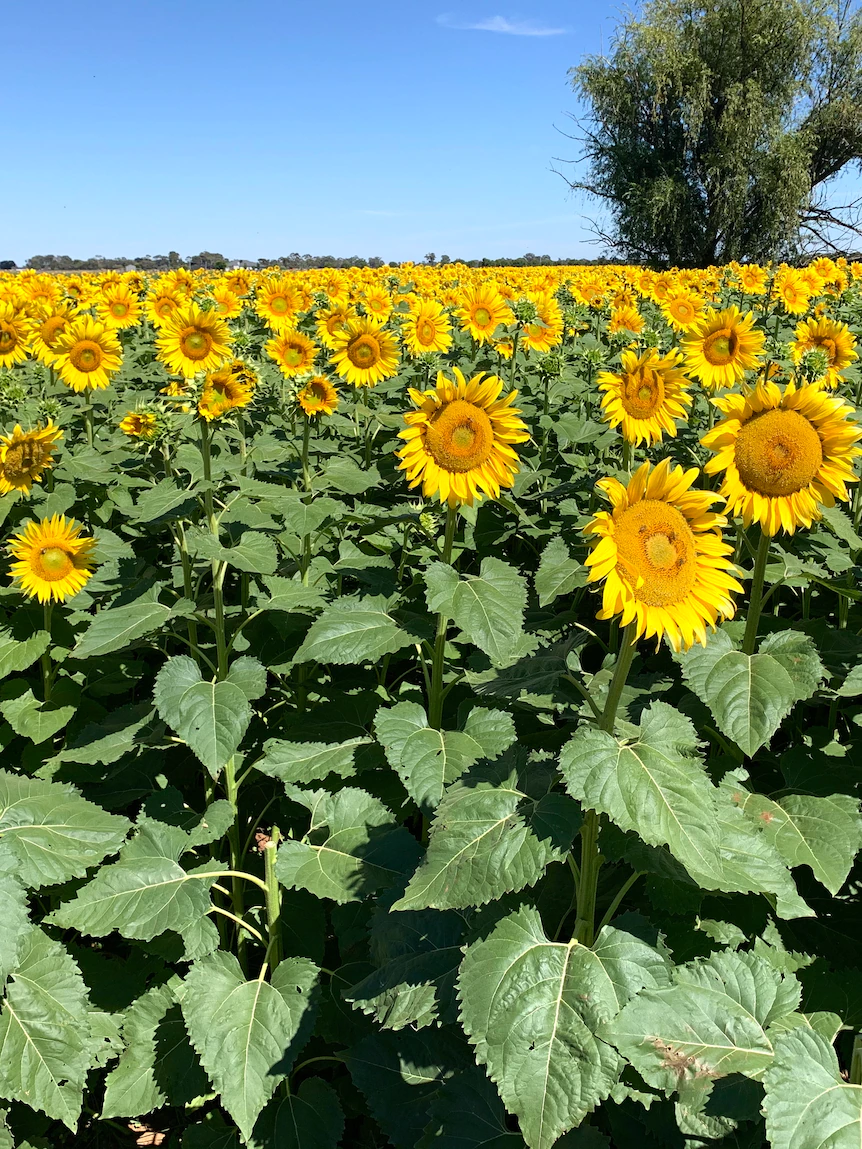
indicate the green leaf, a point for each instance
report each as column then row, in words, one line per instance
column 158, row 1064
column 348, row 477
column 428, row 760
column 798, row 655
column 302, row 518
column 400, row 1074
column 119, row 626
column 841, row 525
column 823, row 833
column 532, row 1007
column 211, row 717
column 749, row 695
column 468, row 1114
column 808, row 1104
column 488, row 609
column 158, row 501
column 255, row 553
column 53, row 833
column 352, row 849
column 289, row 596
column 655, row 785
column 305, row 762
column 311, row 1118
column 351, row 630
column 711, row 1022
column 146, row 892
column 16, row 655
column 248, row 1033
column 34, row 719
column 558, row 572
column 110, row 739
column 13, row 915
column 495, row 832
column 45, row 1032
column 211, row 1133
column 417, row 955
column 249, row 675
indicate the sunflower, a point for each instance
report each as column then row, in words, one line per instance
column 54, row 560
column 161, row 305
column 193, row 340
column 227, row 303
column 224, row 391
column 293, row 352
column 481, row 311
column 118, row 307
column 24, row 455
column 662, row 555
column 752, row 279
column 793, row 292
column 332, row 322
column 15, row 331
column 86, row 354
column 318, row 396
column 646, row 397
column 682, row 310
column 427, row 328
column 829, row 336
column 378, row 304
column 278, row 303
column 783, row 454
column 365, row 353
column 47, row 329
column 139, row 424
column 625, row 319
column 459, row 441
column 238, row 281
column 722, row 347
column 548, row 331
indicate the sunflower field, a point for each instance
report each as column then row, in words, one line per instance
column 431, row 708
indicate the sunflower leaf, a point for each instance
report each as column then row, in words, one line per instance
column 119, row 626
column 532, row 1009
column 353, row 629
column 211, row 717
column 808, row 1104
column 488, row 609
column 558, row 572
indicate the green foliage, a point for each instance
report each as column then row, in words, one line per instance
column 711, row 132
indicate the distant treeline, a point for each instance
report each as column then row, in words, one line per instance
column 294, row 261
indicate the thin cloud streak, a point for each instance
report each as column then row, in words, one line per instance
column 499, row 24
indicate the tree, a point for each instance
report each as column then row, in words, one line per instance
column 431, row 257
column 715, row 129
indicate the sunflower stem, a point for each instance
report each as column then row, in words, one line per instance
column 756, row 601
column 237, row 895
column 88, row 416
column 47, row 669
column 514, row 375
column 436, row 694
column 273, row 897
column 591, row 859
column 627, row 456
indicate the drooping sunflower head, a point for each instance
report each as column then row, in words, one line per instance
column 139, row 425
column 661, row 553
column 832, row 338
column 459, row 441
column 24, row 455
column 318, row 396
column 427, row 328
column 365, row 353
column 54, row 560
column 482, row 310
column 646, row 397
column 192, row 341
column 224, row 391
column 87, row 354
column 293, row 352
column 783, row 454
column 722, row 347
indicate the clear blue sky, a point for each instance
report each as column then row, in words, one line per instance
column 260, row 128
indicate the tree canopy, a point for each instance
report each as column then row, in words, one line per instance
column 718, row 129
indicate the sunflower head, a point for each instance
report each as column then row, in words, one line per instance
column 365, row 353
column 662, row 557
column 459, row 441
column 318, row 396
column 53, row 559
column 783, row 454
column 722, row 346
column 24, row 455
column 140, row 425
column 87, row 354
column 192, row 341
column 647, row 397
column 828, row 338
column 293, row 352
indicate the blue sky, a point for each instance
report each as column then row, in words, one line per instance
column 256, row 129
